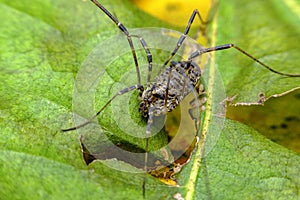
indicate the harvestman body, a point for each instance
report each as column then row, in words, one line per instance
column 170, row 87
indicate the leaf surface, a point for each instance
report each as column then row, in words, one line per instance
column 43, row 45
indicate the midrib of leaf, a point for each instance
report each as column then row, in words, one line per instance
column 191, row 186
column 196, row 165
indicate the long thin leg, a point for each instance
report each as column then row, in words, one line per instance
column 124, row 30
column 123, row 91
column 149, row 56
column 228, row 46
column 148, row 132
column 183, row 36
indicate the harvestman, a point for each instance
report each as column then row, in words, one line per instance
column 170, row 87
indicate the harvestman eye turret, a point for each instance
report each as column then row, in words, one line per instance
column 170, row 87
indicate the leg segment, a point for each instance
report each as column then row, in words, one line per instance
column 124, row 30
column 148, row 132
column 228, row 46
column 183, row 36
column 123, row 91
column 149, row 56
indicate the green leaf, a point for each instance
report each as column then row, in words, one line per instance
column 268, row 31
column 241, row 164
column 43, row 45
column 246, row 165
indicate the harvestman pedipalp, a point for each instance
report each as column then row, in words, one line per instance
column 170, row 87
